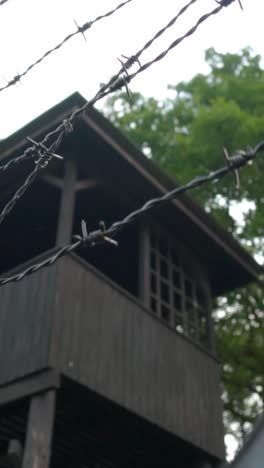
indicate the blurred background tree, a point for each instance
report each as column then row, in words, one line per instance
column 185, row 135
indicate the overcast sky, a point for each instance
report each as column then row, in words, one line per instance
column 29, row 27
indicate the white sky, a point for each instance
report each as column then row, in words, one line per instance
column 28, row 28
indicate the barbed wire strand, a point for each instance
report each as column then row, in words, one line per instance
column 103, row 235
column 2, row 2
column 115, row 83
column 127, row 78
column 161, row 32
column 80, row 30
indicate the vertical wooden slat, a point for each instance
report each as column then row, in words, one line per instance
column 144, row 265
column 64, row 231
column 39, row 431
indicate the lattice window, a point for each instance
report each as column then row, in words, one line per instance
column 175, row 295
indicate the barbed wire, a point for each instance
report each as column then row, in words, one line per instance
column 103, row 235
column 2, row 2
column 171, row 23
column 126, row 78
column 80, row 30
column 115, row 83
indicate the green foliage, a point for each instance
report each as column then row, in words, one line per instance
column 185, row 134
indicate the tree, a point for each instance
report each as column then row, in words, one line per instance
column 185, row 135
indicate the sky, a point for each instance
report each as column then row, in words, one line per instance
column 28, row 28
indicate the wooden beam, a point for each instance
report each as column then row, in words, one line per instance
column 37, row 450
column 87, row 184
column 29, row 386
column 64, row 232
column 53, row 180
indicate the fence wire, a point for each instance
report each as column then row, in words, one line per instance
column 51, row 142
column 105, row 235
column 80, row 30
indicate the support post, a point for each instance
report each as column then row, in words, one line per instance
column 144, row 265
column 39, row 430
column 67, row 204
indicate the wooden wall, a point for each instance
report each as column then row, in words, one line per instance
column 26, row 310
column 104, row 339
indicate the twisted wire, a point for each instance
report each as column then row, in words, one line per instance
column 160, row 32
column 12, row 162
column 2, row 2
column 80, row 30
column 100, row 236
column 127, row 78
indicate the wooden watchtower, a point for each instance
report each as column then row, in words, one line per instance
column 107, row 357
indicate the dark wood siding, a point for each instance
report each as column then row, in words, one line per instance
column 25, row 324
column 107, row 341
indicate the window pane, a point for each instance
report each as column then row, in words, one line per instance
column 179, row 323
column 153, row 240
column 165, row 313
column 177, row 301
column 188, row 288
column 164, row 292
column 191, row 312
column 191, row 331
column 153, row 283
column 176, row 277
column 202, row 326
column 164, row 269
column 153, row 261
column 175, row 257
column 163, row 247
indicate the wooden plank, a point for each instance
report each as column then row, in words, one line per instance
column 64, row 232
column 24, row 348
column 29, row 386
column 88, row 184
column 144, row 260
column 37, row 450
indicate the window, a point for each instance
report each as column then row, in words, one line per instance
column 177, row 295
column 120, row 264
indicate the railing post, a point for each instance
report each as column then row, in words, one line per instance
column 37, row 450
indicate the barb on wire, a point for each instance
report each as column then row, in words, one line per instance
column 2, row 2
column 103, row 235
column 226, row 3
column 118, row 80
column 80, row 30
